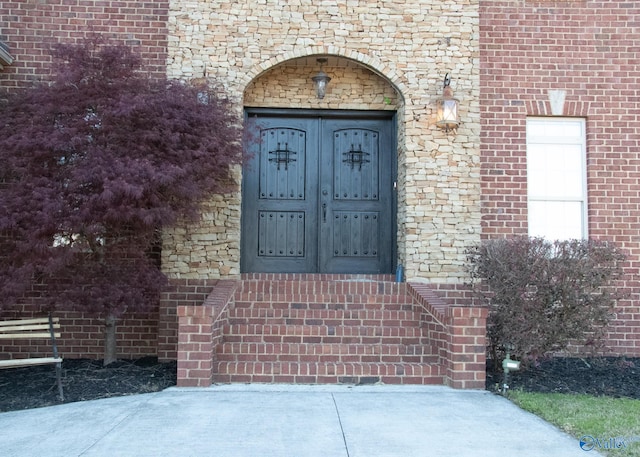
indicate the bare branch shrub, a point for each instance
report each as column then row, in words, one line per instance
column 544, row 295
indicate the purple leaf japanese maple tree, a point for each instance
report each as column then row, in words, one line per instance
column 94, row 163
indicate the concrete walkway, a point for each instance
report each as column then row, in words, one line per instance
column 287, row 421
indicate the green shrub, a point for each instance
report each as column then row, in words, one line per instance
column 543, row 295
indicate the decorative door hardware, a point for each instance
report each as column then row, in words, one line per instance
column 282, row 156
column 356, row 157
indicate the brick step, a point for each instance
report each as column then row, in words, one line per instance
column 325, row 294
column 301, row 352
column 329, row 373
column 323, row 334
column 329, row 302
column 271, row 277
column 315, row 329
column 366, row 317
column 319, row 287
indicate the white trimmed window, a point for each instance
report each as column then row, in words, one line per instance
column 556, row 178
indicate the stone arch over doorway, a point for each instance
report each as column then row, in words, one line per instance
column 358, row 82
column 359, row 101
column 410, row 47
column 394, row 77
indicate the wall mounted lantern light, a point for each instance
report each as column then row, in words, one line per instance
column 447, row 114
column 321, row 79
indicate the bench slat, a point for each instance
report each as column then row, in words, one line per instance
column 37, row 320
column 28, row 362
column 27, row 335
column 26, row 328
column 40, row 327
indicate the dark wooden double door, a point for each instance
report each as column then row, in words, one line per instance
column 317, row 193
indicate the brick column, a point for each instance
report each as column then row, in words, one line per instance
column 179, row 292
column 200, row 330
column 466, row 361
column 195, row 346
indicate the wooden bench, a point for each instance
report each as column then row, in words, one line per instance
column 35, row 328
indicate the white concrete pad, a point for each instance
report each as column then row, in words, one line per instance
column 286, row 421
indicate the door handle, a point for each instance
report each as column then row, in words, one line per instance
column 324, row 212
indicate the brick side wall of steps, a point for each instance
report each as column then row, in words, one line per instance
column 459, row 333
column 329, row 329
column 179, row 292
column 200, row 332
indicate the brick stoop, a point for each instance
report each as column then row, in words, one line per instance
column 355, row 329
column 325, row 329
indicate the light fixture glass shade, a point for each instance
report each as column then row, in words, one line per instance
column 320, row 82
column 447, row 115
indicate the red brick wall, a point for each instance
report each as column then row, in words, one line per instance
column 458, row 333
column 591, row 50
column 82, row 335
column 30, row 27
column 201, row 331
column 180, row 292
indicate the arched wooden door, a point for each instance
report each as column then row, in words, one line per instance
column 317, row 194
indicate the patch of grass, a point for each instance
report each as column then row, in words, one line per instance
column 610, row 420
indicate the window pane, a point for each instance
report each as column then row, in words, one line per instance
column 569, row 129
column 556, row 161
column 555, row 171
column 556, row 220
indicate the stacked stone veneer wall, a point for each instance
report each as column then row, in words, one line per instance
column 382, row 55
column 209, row 247
column 352, row 86
column 589, row 50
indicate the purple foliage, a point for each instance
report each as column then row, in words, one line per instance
column 94, row 164
column 543, row 295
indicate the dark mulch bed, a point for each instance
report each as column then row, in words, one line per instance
column 82, row 379
column 607, row 376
